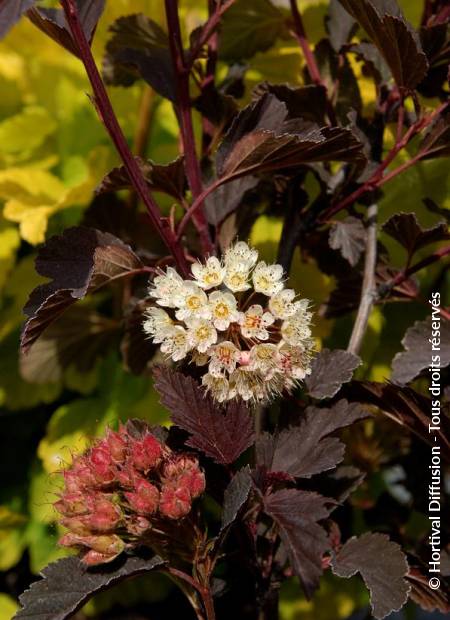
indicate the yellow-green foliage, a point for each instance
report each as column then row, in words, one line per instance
column 53, row 153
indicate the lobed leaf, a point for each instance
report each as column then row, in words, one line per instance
column 349, row 236
column 220, row 434
column 436, row 141
column 297, row 514
column 53, row 22
column 79, row 261
column 79, row 337
column 394, row 37
column 167, row 178
column 227, row 198
column 248, row 27
column 383, row 567
column 235, row 496
column 405, row 228
column 67, row 584
column 139, row 48
column 11, row 11
column 340, row 25
column 408, row 364
column 329, row 371
column 308, row 449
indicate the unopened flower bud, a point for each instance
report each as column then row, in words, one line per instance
column 72, row 504
column 101, row 463
column 146, row 453
column 138, row 525
column 117, row 446
column 175, row 503
column 144, row 500
column 94, row 558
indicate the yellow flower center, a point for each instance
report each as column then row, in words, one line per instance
column 221, row 310
column 193, row 302
column 252, row 321
column 202, row 333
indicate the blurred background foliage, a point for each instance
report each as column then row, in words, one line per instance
column 53, row 153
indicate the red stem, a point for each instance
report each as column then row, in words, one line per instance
column 311, row 64
column 406, row 273
column 377, row 179
column 207, row 31
column 109, row 119
column 185, row 120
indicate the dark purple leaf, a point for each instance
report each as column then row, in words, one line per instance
column 235, row 496
column 329, row 370
column 221, row 434
column 53, row 22
column 79, row 338
column 382, row 565
column 11, row 11
column 262, row 139
column 395, row 38
column 374, row 62
column 422, row 594
column 306, row 102
column 79, row 261
column 136, row 348
column 67, row 584
column 297, row 514
column 404, row 228
column 308, row 449
column 434, row 208
column 436, row 142
column 339, row 24
column 139, row 48
column 408, row 364
column 349, row 236
column 167, row 178
column 227, row 198
column 406, row 407
column 248, row 27
column 339, row 483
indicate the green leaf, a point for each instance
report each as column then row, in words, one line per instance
column 8, row 607
column 21, row 134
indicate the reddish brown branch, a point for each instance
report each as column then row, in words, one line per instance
column 109, row 119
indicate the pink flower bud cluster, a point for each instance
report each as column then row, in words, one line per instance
column 121, row 489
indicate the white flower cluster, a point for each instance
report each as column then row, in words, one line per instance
column 236, row 317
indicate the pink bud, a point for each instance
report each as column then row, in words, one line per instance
column 175, row 503
column 117, row 446
column 144, row 500
column 77, row 525
column 105, row 517
column 138, row 525
column 244, row 359
column 194, row 482
column 94, row 558
column 146, row 453
column 72, row 504
column 101, row 463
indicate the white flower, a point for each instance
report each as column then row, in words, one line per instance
column 201, row 334
column 167, row 288
column 247, row 384
column 209, row 275
column 194, row 303
column 264, row 357
column 176, row 343
column 224, row 357
column 282, row 304
column 240, row 254
column 296, row 330
column 237, row 277
column 254, row 322
column 223, row 308
column 294, row 361
column 157, row 324
column 218, row 386
column 268, row 279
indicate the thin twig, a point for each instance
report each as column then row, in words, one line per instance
column 377, row 179
column 403, row 275
column 109, row 119
column 311, row 64
column 368, row 291
column 185, row 120
column 208, row 30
